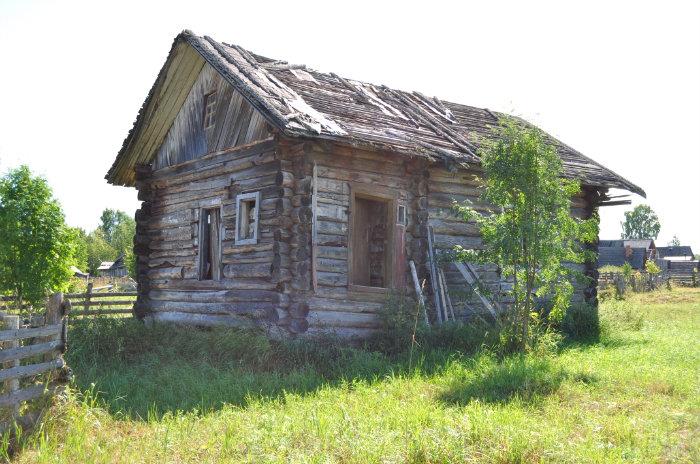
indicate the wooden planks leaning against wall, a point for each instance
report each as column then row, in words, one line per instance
column 450, row 230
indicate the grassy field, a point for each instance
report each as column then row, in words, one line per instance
column 169, row 396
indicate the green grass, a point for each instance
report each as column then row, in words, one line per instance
column 172, row 395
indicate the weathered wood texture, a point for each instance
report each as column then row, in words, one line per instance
column 168, row 256
column 349, row 308
column 235, row 122
column 446, row 187
column 302, row 256
column 29, row 352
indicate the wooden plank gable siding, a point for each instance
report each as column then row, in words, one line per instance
column 235, row 122
column 165, row 100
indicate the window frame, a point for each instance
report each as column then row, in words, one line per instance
column 240, row 198
column 204, row 212
column 205, row 113
column 399, row 220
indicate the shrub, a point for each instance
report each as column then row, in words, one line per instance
column 400, row 317
column 651, row 267
column 458, row 337
column 403, row 328
column 608, row 292
column 627, row 271
column 581, row 322
column 610, row 268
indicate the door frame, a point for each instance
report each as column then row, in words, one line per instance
column 390, row 197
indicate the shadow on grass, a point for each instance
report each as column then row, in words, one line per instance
column 524, row 378
column 141, row 372
column 521, row 377
column 603, row 342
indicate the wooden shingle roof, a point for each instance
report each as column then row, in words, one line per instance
column 300, row 102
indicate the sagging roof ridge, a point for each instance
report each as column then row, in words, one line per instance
column 280, row 99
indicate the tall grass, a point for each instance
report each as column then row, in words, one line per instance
column 176, row 395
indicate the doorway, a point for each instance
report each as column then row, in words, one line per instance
column 371, row 242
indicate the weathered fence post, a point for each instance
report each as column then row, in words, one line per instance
column 620, row 285
column 54, row 315
column 88, row 292
column 11, row 385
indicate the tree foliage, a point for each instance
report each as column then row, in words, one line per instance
column 80, row 250
column 113, row 237
column 531, row 233
column 37, row 248
column 675, row 241
column 110, row 222
column 641, row 222
column 98, row 250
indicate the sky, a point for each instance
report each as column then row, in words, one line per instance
column 619, row 81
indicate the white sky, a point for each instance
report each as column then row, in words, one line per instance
column 619, row 81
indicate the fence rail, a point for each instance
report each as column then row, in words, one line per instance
column 87, row 304
column 32, row 358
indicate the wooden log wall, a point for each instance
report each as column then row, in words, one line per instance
column 292, row 241
column 334, row 305
column 445, row 187
column 167, row 242
column 296, row 278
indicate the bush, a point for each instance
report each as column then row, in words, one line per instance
column 609, row 292
column 652, row 268
column 400, row 316
column 581, row 322
column 458, row 337
column 627, row 271
column 610, row 268
column 403, row 327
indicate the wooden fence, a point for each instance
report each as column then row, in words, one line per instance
column 32, row 359
column 91, row 303
column 684, row 272
column 638, row 281
column 87, row 304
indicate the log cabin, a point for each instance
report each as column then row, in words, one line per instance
column 280, row 197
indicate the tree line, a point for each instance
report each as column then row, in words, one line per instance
column 38, row 248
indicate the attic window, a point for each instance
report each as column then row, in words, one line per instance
column 209, row 109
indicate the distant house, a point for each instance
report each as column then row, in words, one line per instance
column 675, row 253
column 113, row 268
column 636, row 252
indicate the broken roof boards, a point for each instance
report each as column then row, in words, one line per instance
column 300, row 102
